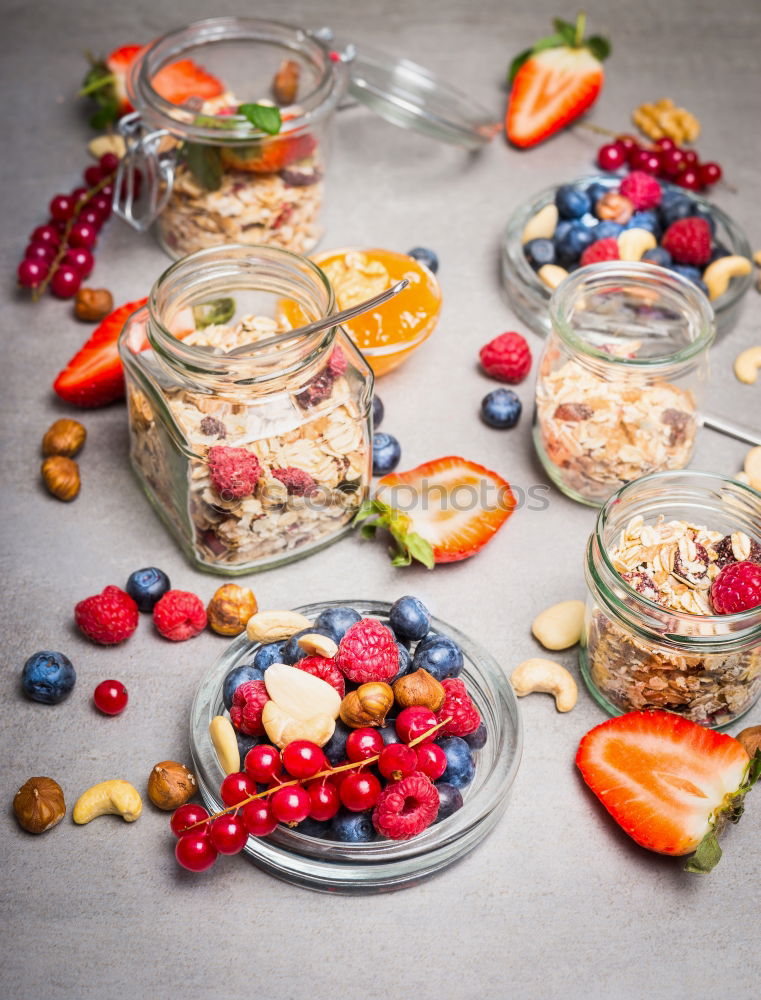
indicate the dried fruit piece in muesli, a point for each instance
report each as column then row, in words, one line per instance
column 317, row 390
column 573, row 411
column 296, row 481
column 678, row 421
column 694, row 569
column 737, row 548
column 644, row 584
column 213, row 427
column 234, row 472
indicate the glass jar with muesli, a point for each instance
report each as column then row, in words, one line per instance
column 653, row 637
column 621, row 377
column 253, row 445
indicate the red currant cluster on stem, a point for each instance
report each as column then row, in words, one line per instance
column 663, row 158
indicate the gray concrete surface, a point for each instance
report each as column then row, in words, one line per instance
column 557, row 903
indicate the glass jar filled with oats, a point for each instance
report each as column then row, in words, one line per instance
column 654, row 564
column 621, row 377
column 253, row 446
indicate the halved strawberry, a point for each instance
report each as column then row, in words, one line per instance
column 442, row 511
column 267, row 156
column 118, row 64
column 180, row 81
column 554, row 82
column 95, row 376
column 668, row 782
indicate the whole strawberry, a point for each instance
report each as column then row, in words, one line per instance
column 179, row 615
column 459, row 709
column 107, row 618
column 688, row 241
column 737, row 588
column 506, row 358
column 368, row 652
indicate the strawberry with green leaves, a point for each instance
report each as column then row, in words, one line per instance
column 554, row 82
column 671, row 784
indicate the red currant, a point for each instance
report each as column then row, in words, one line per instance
column 91, row 217
column 46, row 234
column 303, row 759
column 646, row 160
column 83, row 235
column 31, row 272
column 93, row 175
column 363, row 743
column 690, row 157
column 62, row 207
column 41, row 251
column 413, row 722
column 107, row 191
column 78, row 194
column 709, row 173
column 360, row 791
column 195, row 852
column 108, row 163
column 665, row 143
column 263, row 763
column 627, row 142
column 397, row 760
column 257, row 818
column 324, row 800
column 102, row 204
column 65, row 282
column 110, row 697
column 236, row 787
column 611, row 157
column 228, row 834
column 290, row 805
column 431, row 760
column 337, row 778
column 689, row 179
column 80, row 259
column 672, row 162
column 186, row 816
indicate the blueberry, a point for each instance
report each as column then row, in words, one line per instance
column 389, row 734
column 425, row 256
column 236, row 677
column 607, row 230
column 703, row 213
column 539, row 252
column 440, row 656
column 595, row 192
column 409, row 618
column 692, row 274
column 271, row 652
column 460, row 767
column 337, row 620
column 719, row 250
column 561, row 229
column 658, row 256
column 378, row 411
column 386, row 453
column 292, row 652
column 48, row 677
column 245, row 743
column 405, row 661
column 477, row 739
column 352, row 827
column 313, row 827
column 571, row 203
column 572, row 245
column 645, row 220
column 676, row 207
column 450, row 800
column 335, row 748
column 501, row 408
column 146, row 586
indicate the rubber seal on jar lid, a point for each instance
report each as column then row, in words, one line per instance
column 408, row 95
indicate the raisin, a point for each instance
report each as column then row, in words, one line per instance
column 211, row 426
column 678, row 421
column 573, row 411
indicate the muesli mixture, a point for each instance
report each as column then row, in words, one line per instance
column 270, row 473
column 674, row 564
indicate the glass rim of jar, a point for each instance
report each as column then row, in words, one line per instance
column 667, row 626
column 641, row 272
column 201, row 360
column 179, row 120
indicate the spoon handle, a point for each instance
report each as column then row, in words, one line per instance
column 731, row 429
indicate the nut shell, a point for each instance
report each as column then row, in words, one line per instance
column 171, row 785
column 64, row 437
column 615, row 207
column 61, row 477
column 419, row 688
column 367, row 706
column 230, row 608
column 750, row 739
column 93, row 304
column 39, row 805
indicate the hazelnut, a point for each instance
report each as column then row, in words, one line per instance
column 171, row 785
column 750, row 739
column 39, row 805
column 614, row 207
column 367, row 706
column 64, row 437
column 93, row 304
column 61, row 476
column 285, row 85
column 230, row 609
column 419, row 688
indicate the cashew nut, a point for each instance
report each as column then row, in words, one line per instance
column 282, row 728
column 273, row 626
column 757, row 258
column 116, row 797
column 223, row 737
column 718, row 274
column 542, row 225
column 747, row 364
column 110, row 143
column 560, row 626
column 552, row 678
column 632, row 243
column 752, row 467
column 552, row 275
column 318, row 645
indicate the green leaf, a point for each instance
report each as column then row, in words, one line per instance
column 566, row 31
column 599, row 47
column 215, row 312
column 367, row 508
column 368, row 530
column 754, row 771
column 706, row 857
column 205, row 164
column 420, row 549
column 400, row 558
column 262, row 116
column 106, row 115
column 98, row 77
column 516, row 64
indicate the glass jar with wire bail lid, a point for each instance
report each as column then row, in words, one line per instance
column 655, row 635
column 621, row 377
column 252, row 459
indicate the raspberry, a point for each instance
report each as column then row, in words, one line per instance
column 296, row 481
column 642, row 190
column 325, row 669
column 506, row 358
column 737, row 588
column 688, row 241
column 600, row 250
column 234, row 472
column 368, row 652
column 405, row 808
column 338, row 363
column 247, row 707
column 179, row 615
column 459, row 709
column 108, row 617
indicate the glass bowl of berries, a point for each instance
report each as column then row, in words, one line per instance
column 606, row 217
column 350, row 746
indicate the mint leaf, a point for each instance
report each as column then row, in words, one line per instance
column 262, row 116
column 598, row 46
column 706, row 857
column 205, row 164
